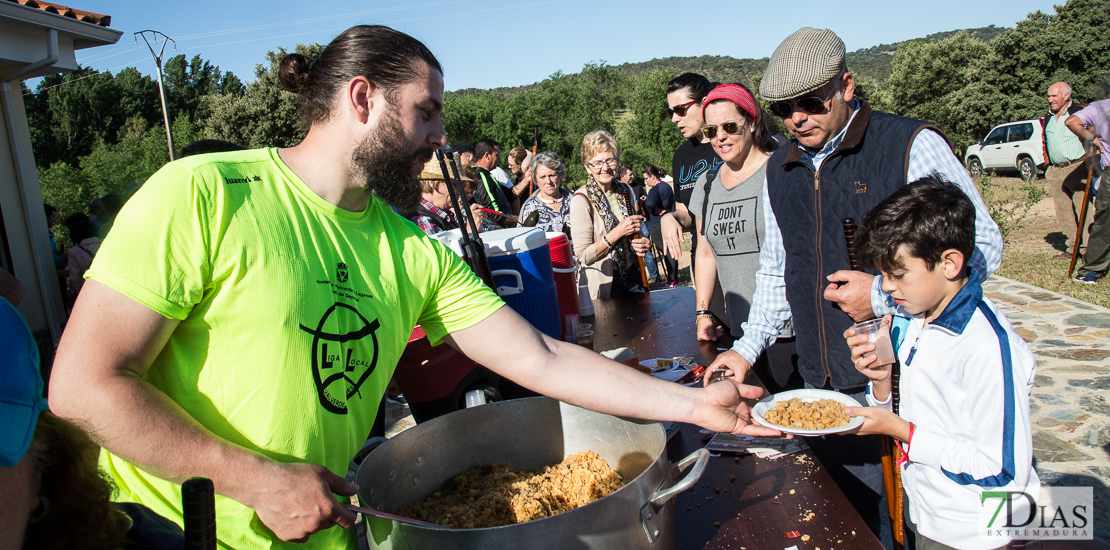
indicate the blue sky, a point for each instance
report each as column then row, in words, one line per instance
column 492, row 43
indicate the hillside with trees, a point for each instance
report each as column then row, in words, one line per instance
column 95, row 133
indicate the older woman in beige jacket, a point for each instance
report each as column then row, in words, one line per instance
column 605, row 228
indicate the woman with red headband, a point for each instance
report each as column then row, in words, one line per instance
column 727, row 205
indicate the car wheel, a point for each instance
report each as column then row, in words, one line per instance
column 974, row 167
column 1027, row 168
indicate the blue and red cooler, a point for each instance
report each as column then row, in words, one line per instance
column 435, row 380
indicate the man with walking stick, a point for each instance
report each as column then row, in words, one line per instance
column 1092, row 125
column 1063, row 172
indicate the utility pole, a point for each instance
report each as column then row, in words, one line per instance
column 158, row 63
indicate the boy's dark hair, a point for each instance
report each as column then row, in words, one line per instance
column 928, row 216
column 386, row 57
column 696, row 85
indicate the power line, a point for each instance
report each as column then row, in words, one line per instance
column 325, row 18
column 304, row 21
column 93, row 57
column 439, row 16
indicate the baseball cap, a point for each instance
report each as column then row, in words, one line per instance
column 21, row 398
column 805, row 61
column 462, row 148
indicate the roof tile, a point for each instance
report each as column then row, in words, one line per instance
column 66, row 11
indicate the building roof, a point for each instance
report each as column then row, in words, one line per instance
column 66, row 11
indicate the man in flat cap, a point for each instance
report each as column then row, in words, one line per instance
column 844, row 159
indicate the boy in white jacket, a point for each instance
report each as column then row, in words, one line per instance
column 963, row 418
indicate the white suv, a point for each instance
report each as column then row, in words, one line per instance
column 1010, row 146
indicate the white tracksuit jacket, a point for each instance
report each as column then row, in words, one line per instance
column 965, row 386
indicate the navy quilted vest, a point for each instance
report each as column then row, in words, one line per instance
column 870, row 164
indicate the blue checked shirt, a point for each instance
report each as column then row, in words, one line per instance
column 770, row 309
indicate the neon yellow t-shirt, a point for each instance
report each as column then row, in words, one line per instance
column 293, row 312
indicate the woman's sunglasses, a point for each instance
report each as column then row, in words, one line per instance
column 679, row 110
column 812, row 105
column 730, row 127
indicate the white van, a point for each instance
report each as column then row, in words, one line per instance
column 1012, row 146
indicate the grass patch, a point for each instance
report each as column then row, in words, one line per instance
column 1030, row 245
column 1039, row 269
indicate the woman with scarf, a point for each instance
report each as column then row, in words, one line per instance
column 605, row 227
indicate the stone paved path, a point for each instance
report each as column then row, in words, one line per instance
column 1070, row 413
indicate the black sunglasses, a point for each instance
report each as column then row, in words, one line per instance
column 679, row 110
column 730, row 127
column 812, row 105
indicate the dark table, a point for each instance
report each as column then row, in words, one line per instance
column 741, row 501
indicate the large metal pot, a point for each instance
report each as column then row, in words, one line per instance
column 528, row 433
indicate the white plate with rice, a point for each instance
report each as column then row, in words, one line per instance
column 807, row 396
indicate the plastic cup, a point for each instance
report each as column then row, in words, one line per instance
column 585, row 304
column 571, row 327
column 878, row 333
column 585, row 338
column 475, row 398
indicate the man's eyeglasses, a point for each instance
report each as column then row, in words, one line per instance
column 730, row 127
column 812, row 105
column 679, row 110
column 598, row 165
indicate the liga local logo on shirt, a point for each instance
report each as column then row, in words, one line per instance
column 339, row 365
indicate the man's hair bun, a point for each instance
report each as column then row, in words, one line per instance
column 294, row 72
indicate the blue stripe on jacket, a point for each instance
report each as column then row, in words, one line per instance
column 1007, row 474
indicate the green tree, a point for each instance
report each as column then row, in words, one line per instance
column 265, row 115
column 73, row 112
column 563, row 107
column 187, row 85
column 927, row 77
column 647, row 136
column 139, row 151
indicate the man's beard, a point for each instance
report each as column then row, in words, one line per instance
column 388, row 166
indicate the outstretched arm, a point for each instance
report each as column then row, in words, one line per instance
column 581, row 377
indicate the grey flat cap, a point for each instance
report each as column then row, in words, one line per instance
column 805, row 61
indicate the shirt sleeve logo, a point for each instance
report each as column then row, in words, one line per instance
column 341, row 274
column 338, row 368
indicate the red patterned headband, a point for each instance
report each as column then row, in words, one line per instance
column 736, row 94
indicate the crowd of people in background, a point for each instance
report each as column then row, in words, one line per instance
column 86, row 231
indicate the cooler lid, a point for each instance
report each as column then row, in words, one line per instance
column 511, row 241
column 500, row 242
column 451, row 238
